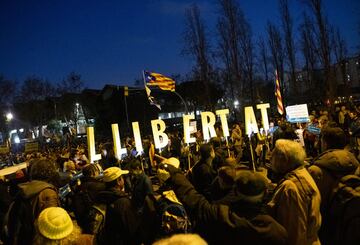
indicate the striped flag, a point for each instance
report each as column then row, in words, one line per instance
column 161, row 81
column 280, row 106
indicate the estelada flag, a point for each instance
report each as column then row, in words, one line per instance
column 159, row 80
column 280, row 106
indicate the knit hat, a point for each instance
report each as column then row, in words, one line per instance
column 250, row 186
column 55, row 223
column 113, row 173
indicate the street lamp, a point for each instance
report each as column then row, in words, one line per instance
column 9, row 116
column 236, row 103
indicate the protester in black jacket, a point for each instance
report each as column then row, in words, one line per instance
column 121, row 220
column 203, row 173
column 241, row 222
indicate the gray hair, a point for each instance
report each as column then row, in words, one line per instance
column 287, row 156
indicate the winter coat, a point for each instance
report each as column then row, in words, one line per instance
column 42, row 194
column 141, row 188
column 223, row 225
column 202, row 176
column 121, row 220
column 296, row 206
column 329, row 168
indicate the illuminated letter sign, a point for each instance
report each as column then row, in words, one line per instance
column 158, row 127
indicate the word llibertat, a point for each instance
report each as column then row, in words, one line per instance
column 208, row 120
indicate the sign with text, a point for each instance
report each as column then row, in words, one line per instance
column 297, row 113
column 4, row 149
column 161, row 139
column 31, row 147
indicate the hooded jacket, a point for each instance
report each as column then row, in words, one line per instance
column 41, row 194
column 328, row 168
column 223, row 225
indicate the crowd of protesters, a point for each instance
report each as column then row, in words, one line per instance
column 274, row 187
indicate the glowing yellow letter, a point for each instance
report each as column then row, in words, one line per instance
column 137, row 137
column 186, row 123
column 158, row 127
column 208, row 122
column 250, row 121
column 117, row 143
column 91, row 145
column 224, row 123
column 264, row 115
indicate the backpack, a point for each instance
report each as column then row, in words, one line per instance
column 345, row 211
column 172, row 215
column 97, row 215
column 81, row 204
column 18, row 225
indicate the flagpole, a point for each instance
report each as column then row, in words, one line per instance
column 186, row 108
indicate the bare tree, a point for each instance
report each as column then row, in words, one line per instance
column 229, row 44
column 197, row 46
column 247, row 56
column 339, row 49
column 323, row 44
column 8, row 90
column 287, row 26
column 36, row 89
column 263, row 58
column 309, row 52
column 72, row 84
column 277, row 53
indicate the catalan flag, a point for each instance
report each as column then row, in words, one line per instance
column 161, row 81
column 280, row 106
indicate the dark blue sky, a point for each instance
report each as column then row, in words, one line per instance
column 113, row 41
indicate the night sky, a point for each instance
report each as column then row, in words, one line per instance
column 113, row 41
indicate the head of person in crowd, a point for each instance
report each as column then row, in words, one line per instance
column 323, row 121
column 215, row 142
column 44, row 170
column 207, row 151
column 113, row 178
column 332, row 138
column 69, row 166
column 164, row 175
column 135, row 167
column 182, row 239
column 227, row 175
column 250, row 189
column 54, row 226
column 230, row 161
column 353, row 114
column 287, row 155
column 91, row 170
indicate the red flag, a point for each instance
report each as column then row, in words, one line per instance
column 280, row 106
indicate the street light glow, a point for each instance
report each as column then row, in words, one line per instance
column 236, row 103
column 9, row 116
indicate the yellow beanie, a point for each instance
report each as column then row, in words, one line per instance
column 55, row 223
